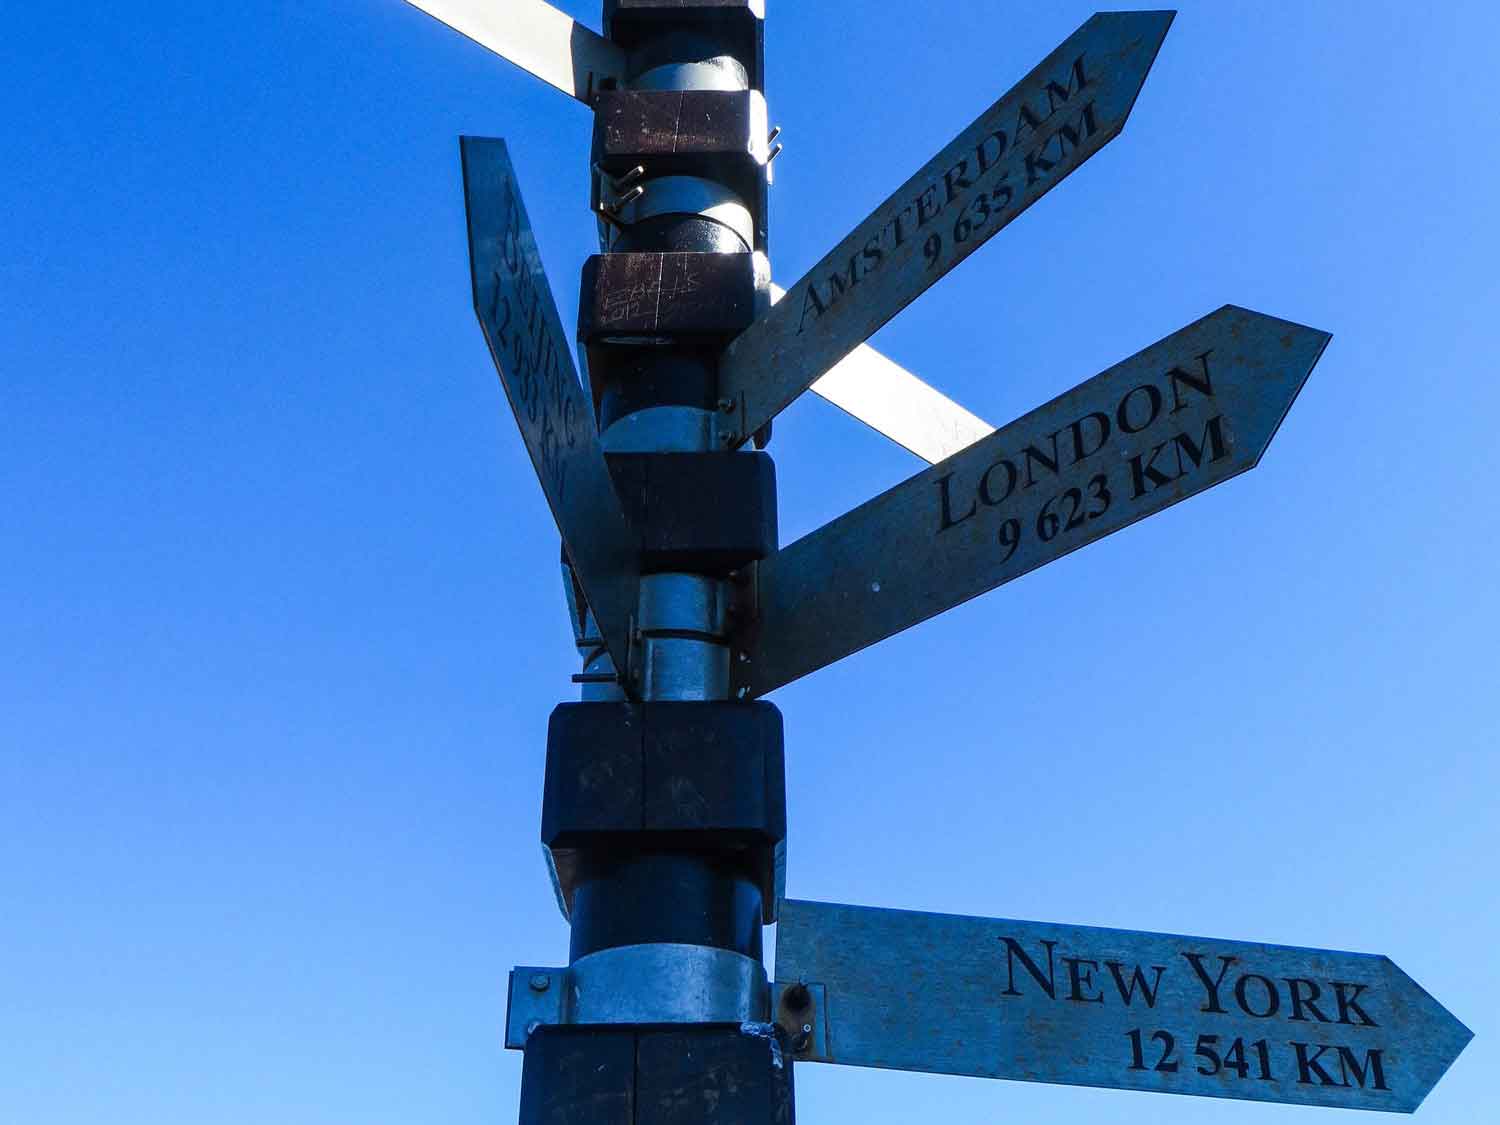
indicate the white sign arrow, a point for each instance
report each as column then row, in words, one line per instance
column 536, row 37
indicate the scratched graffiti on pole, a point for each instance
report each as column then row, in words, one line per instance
column 1185, row 414
column 519, row 316
column 1041, row 131
column 1084, row 1006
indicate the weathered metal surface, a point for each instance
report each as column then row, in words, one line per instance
column 638, row 984
column 667, row 983
column 1036, row 1002
column 1061, row 114
column 538, row 38
column 1187, row 413
column 519, row 317
column 656, row 295
column 670, row 128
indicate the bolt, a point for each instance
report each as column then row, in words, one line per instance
column 726, row 406
column 532, row 1026
column 804, row 1040
column 628, row 198
column 628, row 178
column 540, row 982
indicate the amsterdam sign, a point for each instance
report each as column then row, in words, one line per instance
column 1058, row 116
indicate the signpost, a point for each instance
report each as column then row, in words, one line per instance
column 865, row 384
column 536, row 37
column 1037, row 1002
column 520, row 323
column 1063, row 112
column 664, row 815
column 1187, row 413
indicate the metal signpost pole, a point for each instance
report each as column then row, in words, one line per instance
column 663, row 815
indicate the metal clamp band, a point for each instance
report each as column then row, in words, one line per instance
column 661, row 429
column 722, row 72
column 683, row 622
column 639, row 984
column 689, row 195
column 684, row 605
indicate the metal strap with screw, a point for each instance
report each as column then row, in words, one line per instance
column 639, row 984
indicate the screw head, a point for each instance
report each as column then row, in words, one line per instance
column 540, row 982
column 803, row 1040
column 532, row 1026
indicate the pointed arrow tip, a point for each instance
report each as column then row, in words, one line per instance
column 1447, row 1028
column 1321, row 336
column 1151, row 25
column 1155, row 23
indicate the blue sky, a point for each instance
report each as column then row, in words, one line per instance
column 281, row 595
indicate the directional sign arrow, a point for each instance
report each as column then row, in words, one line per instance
column 1187, row 413
column 892, row 401
column 526, row 339
column 1083, row 1006
column 1063, row 112
column 536, row 37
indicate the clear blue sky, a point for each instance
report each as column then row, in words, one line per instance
column 280, row 600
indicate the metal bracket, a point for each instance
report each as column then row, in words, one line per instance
column 625, row 189
column 681, row 195
column 743, row 612
column 638, row 984
column 802, row 1012
column 729, row 422
column 631, row 677
column 774, row 150
column 536, row 998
